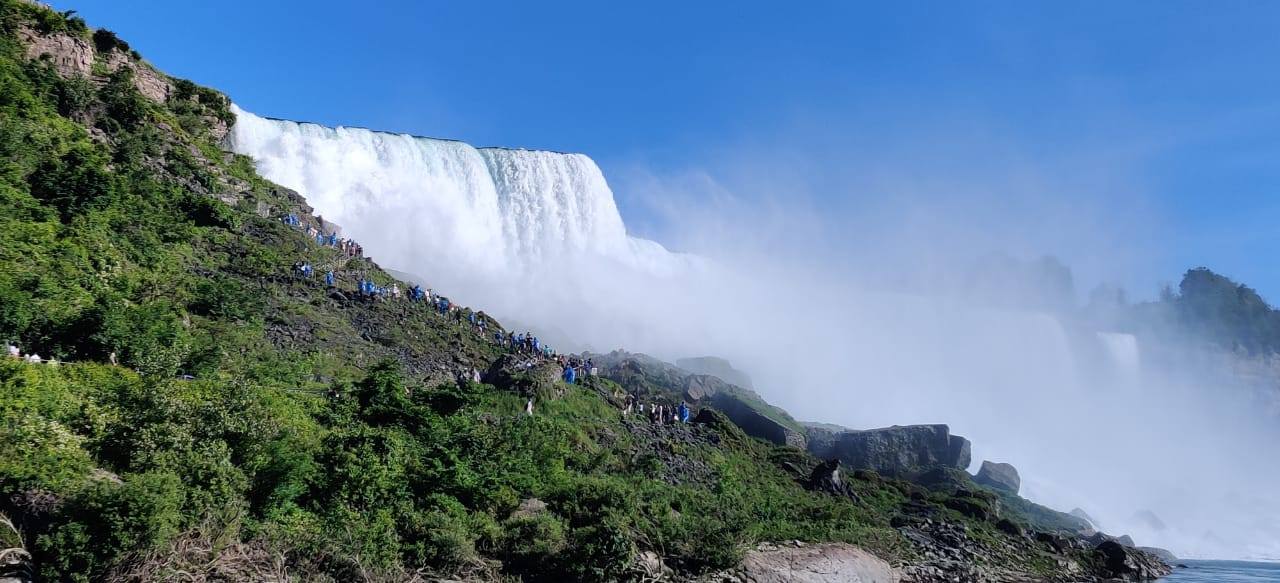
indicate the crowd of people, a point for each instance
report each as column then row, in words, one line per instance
column 525, row 344
column 655, row 412
column 346, row 246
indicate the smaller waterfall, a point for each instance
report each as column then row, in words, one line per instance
column 1122, row 352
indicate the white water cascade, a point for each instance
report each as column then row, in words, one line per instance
column 1122, row 351
column 429, row 205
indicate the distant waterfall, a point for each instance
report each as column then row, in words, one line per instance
column 1122, row 351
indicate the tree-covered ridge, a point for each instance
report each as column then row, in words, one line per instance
column 260, row 426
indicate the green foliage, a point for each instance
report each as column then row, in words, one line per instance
column 126, row 108
column 107, row 41
column 107, row 520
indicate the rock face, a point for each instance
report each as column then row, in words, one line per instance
column 999, row 476
column 898, row 451
column 755, row 423
column 801, row 563
column 1098, row 538
column 1162, row 554
column 1081, row 514
column 1129, row 564
column 716, row 367
column 69, row 54
column 73, row 55
column 700, row 387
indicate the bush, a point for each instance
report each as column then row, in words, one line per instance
column 532, row 544
column 125, row 106
column 108, row 520
column 107, row 41
column 599, row 553
column 206, row 211
column 73, row 181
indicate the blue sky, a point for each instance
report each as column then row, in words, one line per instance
column 1158, row 121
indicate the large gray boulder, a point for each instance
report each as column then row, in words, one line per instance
column 758, row 419
column 701, row 387
column 716, row 367
column 900, row 451
column 1123, row 562
column 999, row 476
column 802, row 563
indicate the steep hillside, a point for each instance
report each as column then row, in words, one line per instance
column 203, row 409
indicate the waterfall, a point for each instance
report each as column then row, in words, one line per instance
column 445, row 208
column 1122, row 352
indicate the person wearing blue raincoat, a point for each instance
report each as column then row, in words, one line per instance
column 569, row 374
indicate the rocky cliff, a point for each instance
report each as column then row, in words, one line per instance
column 899, row 451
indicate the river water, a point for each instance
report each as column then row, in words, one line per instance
column 1224, row 572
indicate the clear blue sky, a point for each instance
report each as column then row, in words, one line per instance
column 1169, row 110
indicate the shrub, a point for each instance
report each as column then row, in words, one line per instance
column 107, row 41
column 108, row 520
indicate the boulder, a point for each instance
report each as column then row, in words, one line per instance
column 819, row 563
column 716, row 367
column 529, row 508
column 749, row 416
column 1126, row 563
column 900, row 451
column 826, row 477
column 700, row 387
column 999, row 476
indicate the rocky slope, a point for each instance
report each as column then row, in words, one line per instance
column 217, row 416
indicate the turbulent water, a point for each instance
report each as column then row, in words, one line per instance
column 423, row 203
column 1224, row 572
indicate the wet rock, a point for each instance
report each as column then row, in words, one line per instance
column 1126, row 563
column 826, row 477
column 999, row 476
column 900, row 451
column 754, row 422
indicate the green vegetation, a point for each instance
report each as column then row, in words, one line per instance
column 313, row 434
